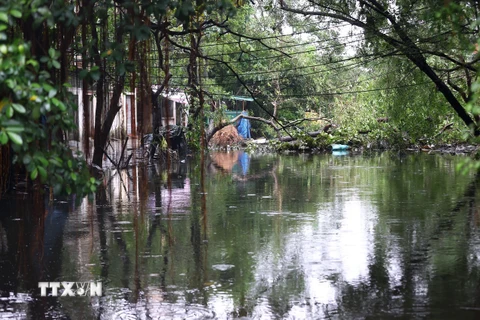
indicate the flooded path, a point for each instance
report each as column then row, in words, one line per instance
column 271, row 237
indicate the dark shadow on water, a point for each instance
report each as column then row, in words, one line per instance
column 32, row 235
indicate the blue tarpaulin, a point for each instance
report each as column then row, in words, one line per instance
column 243, row 127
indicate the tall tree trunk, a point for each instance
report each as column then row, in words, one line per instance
column 103, row 131
column 105, row 113
column 85, row 98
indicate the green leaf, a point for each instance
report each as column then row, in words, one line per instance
column 3, row 137
column 73, row 175
column 56, row 64
column 3, row 27
column 42, row 160
column 142, row 33
column 95, row 74
column 52, row 93
column 34, row 174
column 16, row 13
column 36, row 113
column 59, row 104
column 43, row 172
column 83, row 74
column 19, row 108
column 9, row 111
column 15, row 137
column 51, row 53
column 47, row 87
column 33, row 63
column 4, row 17
column 55, row 162
column 121, row 69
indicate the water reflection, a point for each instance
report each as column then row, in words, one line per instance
column 302, row 237
column 340, row 153
column 34, row 235
column 236, row 162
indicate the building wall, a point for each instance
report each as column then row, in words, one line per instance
column 125, row 123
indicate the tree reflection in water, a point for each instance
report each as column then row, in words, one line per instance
column 286, row 237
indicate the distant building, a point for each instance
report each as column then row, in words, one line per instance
column 125, row 123
column 235, row 105
column 173, row 111
column 173, row 108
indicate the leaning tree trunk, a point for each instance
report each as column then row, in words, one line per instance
column 102, row 130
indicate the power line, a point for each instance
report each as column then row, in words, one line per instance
column 342, row 44
column 346, row 68
column 337, row 24
column 273, row 57
column 317, row 94
column 288, row 46
column 271, row 37
column 276, row 56
column 295, row 68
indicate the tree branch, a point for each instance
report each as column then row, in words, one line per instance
column 459, row 63
column 260, row 40
column 238, row 78
column 405, row 45
column 457, row 88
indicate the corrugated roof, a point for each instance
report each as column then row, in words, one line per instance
column 240, row 98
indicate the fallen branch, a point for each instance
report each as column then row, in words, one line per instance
column 446, row 127
column 226, row 123
column 312, row 134
column 123, row 152
column 120, row 164
column 270, row 123
column 299, row 121
column 111, row 160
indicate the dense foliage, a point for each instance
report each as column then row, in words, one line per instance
column 377, row 72
column 420, row 59
column 34, row 110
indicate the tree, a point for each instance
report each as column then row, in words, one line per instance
column 39, row 43
column 35, row 106
column 168, row 23
column 281, row 71
column 443, row 52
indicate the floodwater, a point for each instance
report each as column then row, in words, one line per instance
column 260, row 237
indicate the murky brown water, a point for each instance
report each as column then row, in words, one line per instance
column 275, row 237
